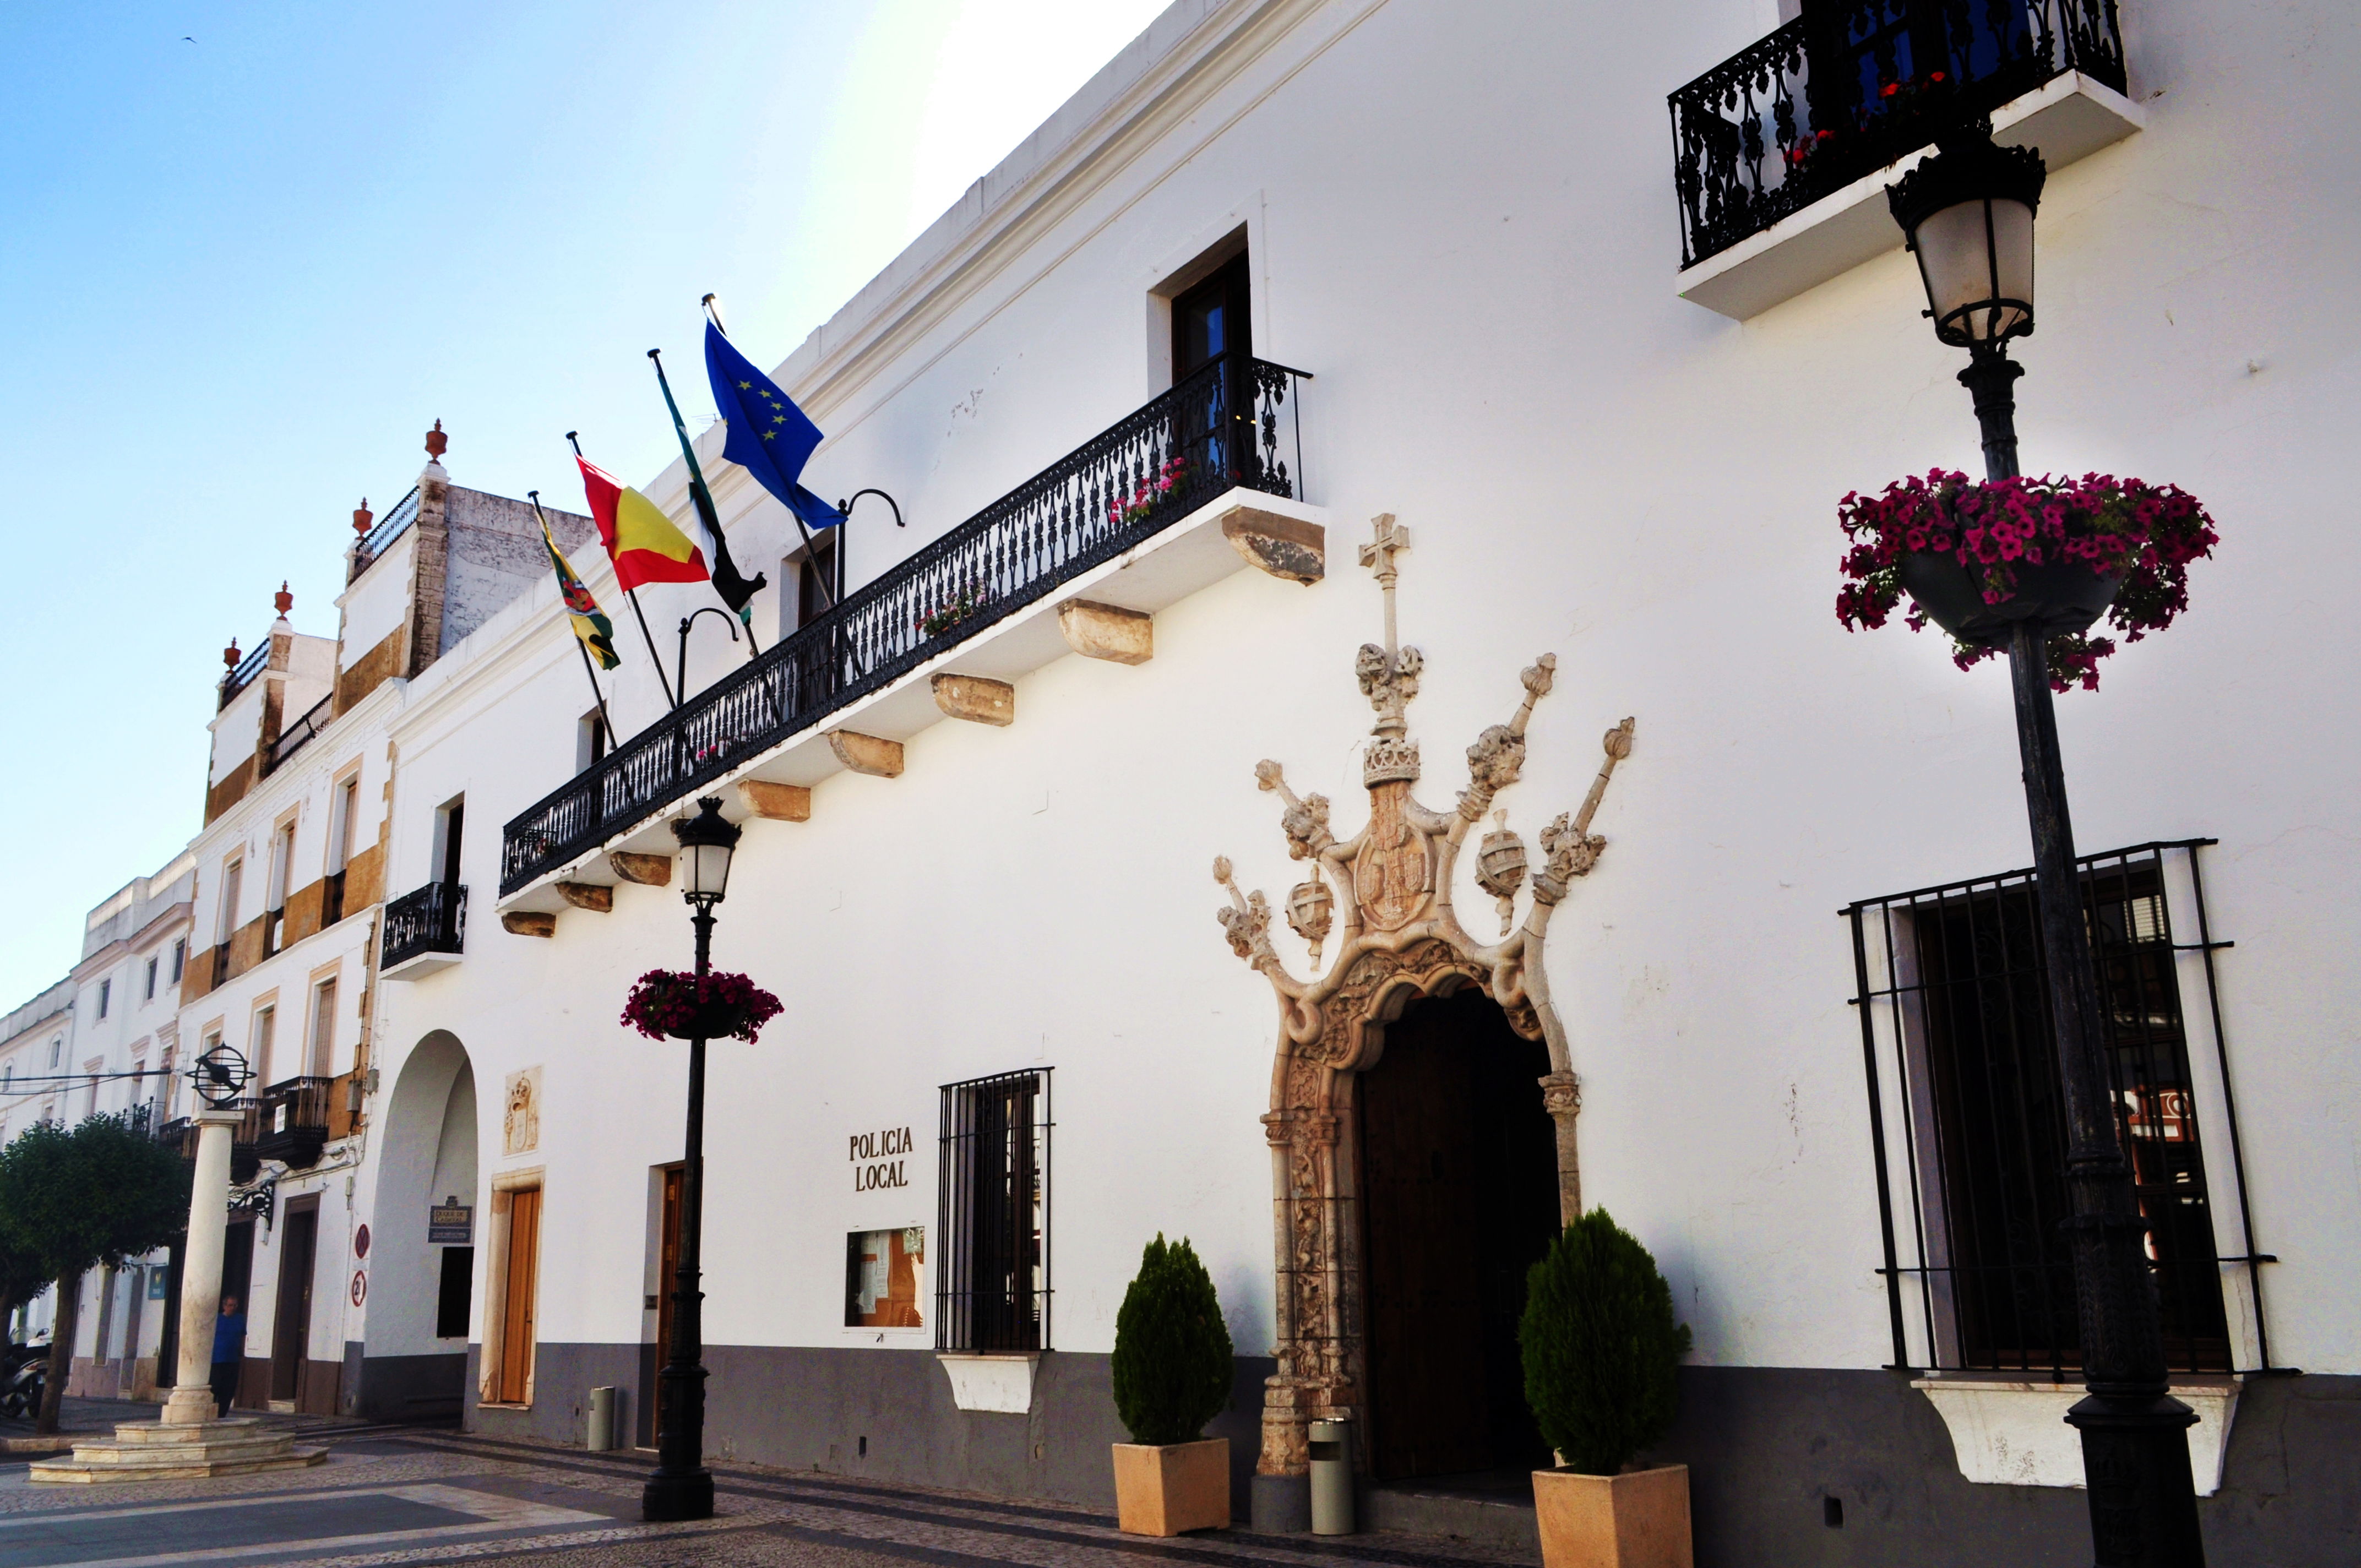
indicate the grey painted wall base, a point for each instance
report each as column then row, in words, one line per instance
column 402, row 1387
column 1764, row 1447
column 1507, row 1523
column 1280, row 1504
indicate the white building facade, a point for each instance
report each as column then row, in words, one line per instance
column 1770, row 1024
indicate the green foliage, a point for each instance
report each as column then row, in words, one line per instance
column 1172, row 1367
column 1600, row 1346
column 102, row 1192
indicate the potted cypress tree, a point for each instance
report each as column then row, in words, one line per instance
column 1173, row 1374
column 1600, row 1347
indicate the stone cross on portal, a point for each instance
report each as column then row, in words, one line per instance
column 1389, row 675
column 1387, row 538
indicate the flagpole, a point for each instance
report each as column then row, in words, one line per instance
column 579, row 646
column 634, row 595
column 703, row 497
column 713, row 310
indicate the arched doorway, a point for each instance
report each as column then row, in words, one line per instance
column 1459, row 1197
column 421, row 1264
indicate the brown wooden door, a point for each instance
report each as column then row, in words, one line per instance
column 517, row 1308
column 1459, row 1199
column 667, row 1262
column 290, row 1329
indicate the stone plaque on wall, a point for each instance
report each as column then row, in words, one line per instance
column 520, row 1124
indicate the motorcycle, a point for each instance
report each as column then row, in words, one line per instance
column 25, row 1368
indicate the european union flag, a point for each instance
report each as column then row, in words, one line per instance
column 769, row 436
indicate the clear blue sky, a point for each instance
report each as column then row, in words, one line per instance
column 244, row 273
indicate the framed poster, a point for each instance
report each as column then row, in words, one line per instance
column 885, row 1278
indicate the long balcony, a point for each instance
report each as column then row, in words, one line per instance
column 1231, row 425
column 1851, row 86
column 294, row 1122
column 424, row 931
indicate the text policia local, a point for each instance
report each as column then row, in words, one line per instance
column 876, row 1161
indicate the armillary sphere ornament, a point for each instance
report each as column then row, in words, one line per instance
column 221, row 1074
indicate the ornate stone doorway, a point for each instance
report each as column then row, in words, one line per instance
column 1387, row 896
column 1459, row 1199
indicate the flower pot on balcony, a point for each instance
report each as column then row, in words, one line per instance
column 1637, row 1520
column 2064, row 596
column 1165, row 1488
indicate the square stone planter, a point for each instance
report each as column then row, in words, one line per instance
column 1638, row 1519
column 1163, row 1489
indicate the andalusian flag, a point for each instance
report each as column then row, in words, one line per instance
column 598, row 633
column 645, row 544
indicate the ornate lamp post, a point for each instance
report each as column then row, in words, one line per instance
column 1968, row 211
column 682, row 1487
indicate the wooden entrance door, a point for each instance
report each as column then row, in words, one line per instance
column 291, row 1328
column 1459, row 1199
column 523, row 1264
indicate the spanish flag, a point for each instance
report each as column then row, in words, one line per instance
column 598, row 633
column 643, row 542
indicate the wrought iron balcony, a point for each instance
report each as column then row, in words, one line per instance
column 239, row 679
column 1851, row 86
column 389, row 528
column 294, row 1122
column 1218, row 430
column 298, row 734
column 180, row 1133
column 431, row 920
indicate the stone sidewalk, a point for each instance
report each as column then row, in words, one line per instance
column 420, row 1495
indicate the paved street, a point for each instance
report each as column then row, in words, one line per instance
column 420, row 1495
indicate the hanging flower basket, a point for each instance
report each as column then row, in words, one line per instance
column 666, row 1003
column 1976, row 559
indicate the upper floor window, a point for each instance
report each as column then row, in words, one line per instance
column 233, row 885
column 105, row 992
column 265, row 1026
column 57, row 1050
column 324, row 1028
column 282, row 856
column 591, row 740
column 345, row 806
column 148, row 995
column 179, row 958
column 1212, row 319
column 450, row 823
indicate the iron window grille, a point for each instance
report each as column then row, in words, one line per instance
column 992, row 1280
column 1960, row 1054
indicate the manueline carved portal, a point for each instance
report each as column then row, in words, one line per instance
column 1386, row 893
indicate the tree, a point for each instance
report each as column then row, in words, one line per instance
column 74, row 1200
column 1172, row 1369
column 1600, row 1346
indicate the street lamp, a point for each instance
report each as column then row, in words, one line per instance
column 682, row 1487
column 1968, row 214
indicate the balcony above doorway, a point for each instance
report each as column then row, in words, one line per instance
column 294, row 1122
column 1200, row 482
column 424, row 931
column 1782, row 153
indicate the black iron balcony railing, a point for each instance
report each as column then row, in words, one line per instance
column 1849, row 86
column 298, row 734
column 431, row 920
column 1218, row 430
column 294, row 1122
column 180, row 1133
column 239, row 679
column 389, row 529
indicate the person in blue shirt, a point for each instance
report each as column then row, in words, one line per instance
column 229, row 1351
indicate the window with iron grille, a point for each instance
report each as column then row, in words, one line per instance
column 1961, row 1057
column 992, row 1274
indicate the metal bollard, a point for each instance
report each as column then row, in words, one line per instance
column 1332, row 1477
column 601, row 1436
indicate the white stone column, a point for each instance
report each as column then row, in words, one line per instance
column 192, row 1400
